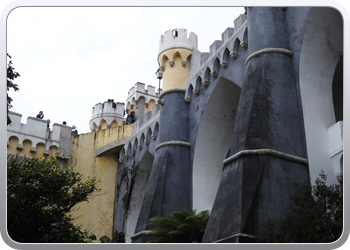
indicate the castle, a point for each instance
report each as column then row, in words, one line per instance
column 230, row 131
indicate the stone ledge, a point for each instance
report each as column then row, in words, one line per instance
column 111, row 146
column 265, row 151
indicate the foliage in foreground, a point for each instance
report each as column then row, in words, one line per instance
column 317, row 216
column 179, row 227
column 116, row 238
column 40, row 196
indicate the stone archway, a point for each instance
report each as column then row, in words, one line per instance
column 321, row 51
column 138, row 191
column 213, row 141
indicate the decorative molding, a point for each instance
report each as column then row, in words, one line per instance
column 126, row 156
column 61, row 155
column 133, row 151
column 214, row 73
column 171, row 63
column 32, row 150
column 121, row 160
column 170, row 143
column 146, row 104
column 236, row 235
column 196, row 91
column 244, row 44
column 270, row 50
column 46, row 152
column 223, row 64
column 139, row 146
column 154, row 136
column 183, row 63
column 162, row 68
column 205, row 82
column 171, row 91
column 187, row 99
column 233, row 54
column 161, row 101
column 146, row 142
column 144, row 232
column 35, row 136
column 265, row 151
column 19, row 147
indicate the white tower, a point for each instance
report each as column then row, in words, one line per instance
column 106, row 115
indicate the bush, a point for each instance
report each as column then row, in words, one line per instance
column 40, row 196
column 116, row 238
column 179, row 227
column 316, row 217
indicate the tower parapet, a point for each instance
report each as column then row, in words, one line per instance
column 174, row 56
column 106, row 115
column 214, row 47
column 239, row 21
column 168, row 41
column 33, row 138
column 141, row 100
column 139, row 90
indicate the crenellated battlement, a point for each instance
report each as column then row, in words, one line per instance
column 234, row 45
column 141, row 100
column 145, row 121
column 106, row 115
column 35, row 133
column 109, row 107
column 139, row 90
column 168, row 41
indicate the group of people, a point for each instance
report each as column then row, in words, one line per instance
column 129, row 120
column 41, row 116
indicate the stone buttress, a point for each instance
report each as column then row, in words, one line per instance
column 170, row 185
column 267, row 153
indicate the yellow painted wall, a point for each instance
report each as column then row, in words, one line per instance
column 96, row 215
column 128, row 108
column 11, row 148
column 27, row 145
column 150, row 105
column 176, row 76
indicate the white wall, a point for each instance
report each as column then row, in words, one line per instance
column 321, row 50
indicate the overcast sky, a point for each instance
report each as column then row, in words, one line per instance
column 71, row 58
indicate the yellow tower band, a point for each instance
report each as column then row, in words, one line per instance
column 175, row 67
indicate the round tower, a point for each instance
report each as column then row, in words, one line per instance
column 175, row 51
column 172, row 158
column 106, row 115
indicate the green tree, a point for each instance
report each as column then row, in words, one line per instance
column 11, row 76
column 116, row 238
column 179, row 227
column 316, row 217
column 40, row 197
